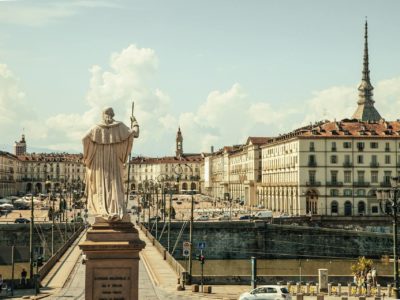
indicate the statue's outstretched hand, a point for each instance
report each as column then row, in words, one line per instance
column 134, row 122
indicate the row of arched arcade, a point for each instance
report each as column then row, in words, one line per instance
column 182, row 187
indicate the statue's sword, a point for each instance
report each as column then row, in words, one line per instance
column 129, row 162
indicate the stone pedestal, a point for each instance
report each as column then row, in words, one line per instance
column 112, row 261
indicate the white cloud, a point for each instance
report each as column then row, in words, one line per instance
column 225, row 117
column 229, row 117
column 128, row 78
column 338, row 102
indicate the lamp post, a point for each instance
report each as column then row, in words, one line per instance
column 31, row 238
column 171, row 191
column 228, row 197
column 192, row 191
column 388, row 203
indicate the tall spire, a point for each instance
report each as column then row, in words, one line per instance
column 366, row 110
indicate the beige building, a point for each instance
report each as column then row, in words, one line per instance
column 181, row 171
column 10, row 174
column 22, row 172
column 235, row 170
column 331, row 168
column 44, row 171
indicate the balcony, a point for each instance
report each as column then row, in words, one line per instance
column 347, row 164
column 313, row 183
column 374, row 164
column 361, row 184
column 312, row 163
column 385, row 184
column 334, row 149
column 334, row 183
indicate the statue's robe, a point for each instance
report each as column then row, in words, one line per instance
column 105, row 151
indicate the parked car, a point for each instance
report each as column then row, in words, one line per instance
column 267, row 292
column 22, row 221
column 224, row 218
column 202, row 218
column 245, row 217
column 264, row 214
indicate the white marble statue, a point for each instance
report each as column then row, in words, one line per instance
column 106, row 148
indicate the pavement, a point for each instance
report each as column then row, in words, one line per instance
column 157, row 280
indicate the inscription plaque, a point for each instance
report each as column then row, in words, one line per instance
column 111, row 283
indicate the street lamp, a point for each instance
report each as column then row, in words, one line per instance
column 388, row 203
column 228, row 197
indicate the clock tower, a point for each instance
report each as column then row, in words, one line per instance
column 179, row 143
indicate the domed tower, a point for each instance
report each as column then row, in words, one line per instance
column 179, row 143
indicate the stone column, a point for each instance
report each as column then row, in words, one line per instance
column 112, row 261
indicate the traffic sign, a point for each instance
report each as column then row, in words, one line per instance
column 201, row 245
column 185, row 252
column 186, row 246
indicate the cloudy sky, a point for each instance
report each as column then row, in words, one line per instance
column 221, row 70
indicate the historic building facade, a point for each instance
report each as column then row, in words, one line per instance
column 331, row 168
column 41, row 172
column 182, row 171
column 10, row 174
column 235, row 170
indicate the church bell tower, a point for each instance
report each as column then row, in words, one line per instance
column 179, row 143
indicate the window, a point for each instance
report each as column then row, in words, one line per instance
column 374, row 209
column 387, row 159
column 347, row 192
column 374, row 176
column 334, row 176
column 334, row 207
column 333, row 159
column 374, row 159
column 334, row 192
column 311, row 160
column 360, row 146
column 333, row 146
column 360, row 176
column 311, row 176
column 346, row 145
column 374, row 145
column 361, row 192
column 347, row 159
column 387, row 147
column 312, row 148
column 360, row 159
column 386, row 177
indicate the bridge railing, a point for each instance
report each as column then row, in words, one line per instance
column 176, row 266
column 49, row 264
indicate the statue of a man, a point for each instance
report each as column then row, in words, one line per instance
column 106, row 148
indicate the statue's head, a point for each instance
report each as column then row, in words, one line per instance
column 108, row 115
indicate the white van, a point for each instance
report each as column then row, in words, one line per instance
column 264, row 214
